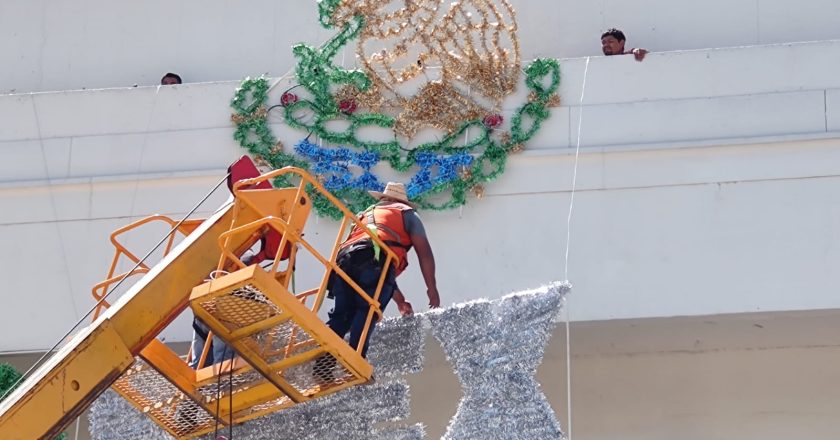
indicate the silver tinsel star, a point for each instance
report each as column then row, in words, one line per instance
column 347, row 415
column 396, row 348
column 112, row 417
column 495, row 348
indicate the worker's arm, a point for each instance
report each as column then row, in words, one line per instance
column 403, row 305
column 423, row 248
column 427, row 267
column 248, row 258
column 257, row 258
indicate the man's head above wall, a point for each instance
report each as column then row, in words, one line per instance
column 170, row 78
column 612, row 42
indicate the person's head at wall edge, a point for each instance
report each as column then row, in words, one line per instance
column 612, row 42
column 170, row 79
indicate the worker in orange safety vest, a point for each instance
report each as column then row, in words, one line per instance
column 394, row 220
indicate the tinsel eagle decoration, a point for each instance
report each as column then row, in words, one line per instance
column 435, row 76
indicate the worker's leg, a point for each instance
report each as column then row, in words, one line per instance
column 368, row 279
column 341, row 316
column 349, row 314
column 196, row 348
column 221, row 351
column 200, row 331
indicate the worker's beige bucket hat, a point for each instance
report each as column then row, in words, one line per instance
column 394, row 190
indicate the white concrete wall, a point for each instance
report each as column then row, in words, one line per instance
column 720, row 196
column 62, row 44
column 755, row 376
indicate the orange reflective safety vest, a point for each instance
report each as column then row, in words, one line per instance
column 387, row 222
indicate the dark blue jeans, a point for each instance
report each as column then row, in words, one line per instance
column 219, row 351
column 351, row 310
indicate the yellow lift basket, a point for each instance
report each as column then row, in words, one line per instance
column 277, row 336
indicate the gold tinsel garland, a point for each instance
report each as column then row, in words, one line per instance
column 465, row 58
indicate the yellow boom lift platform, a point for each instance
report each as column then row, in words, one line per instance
column 276, row 334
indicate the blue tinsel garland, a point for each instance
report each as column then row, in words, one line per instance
column 332, row 165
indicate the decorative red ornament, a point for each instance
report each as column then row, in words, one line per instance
column 347, row 106
column 288, row 98
column 493, row 121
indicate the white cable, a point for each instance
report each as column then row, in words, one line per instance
column 575, row 170
column 568, row 370
column 216, row 273
column 143, row 151
column 44, row 162
column 78, row 422
column 566, row 259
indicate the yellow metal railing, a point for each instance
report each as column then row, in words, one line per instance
column 100, row 289
column 280, row 341
column 282, row 226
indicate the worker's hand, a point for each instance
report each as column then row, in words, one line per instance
column 639, row 54
column 434, row 297
column 254, row 258
column 405, row 308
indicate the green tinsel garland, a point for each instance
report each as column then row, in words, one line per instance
column 317, row 74
column 8, row 378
